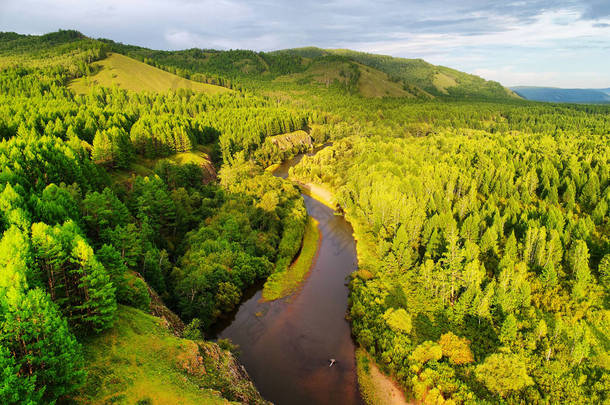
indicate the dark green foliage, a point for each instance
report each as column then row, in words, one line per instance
column 75, row 279
column 239, row 244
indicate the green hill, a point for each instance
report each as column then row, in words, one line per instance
column 206, row 70
column 367, row 74
column 131, row 74
column 417, row 74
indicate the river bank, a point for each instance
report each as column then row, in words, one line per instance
column 286, row 344
column 285, row 283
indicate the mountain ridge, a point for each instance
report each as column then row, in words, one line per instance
column 563, row 95
column 433, row 79
column 367, row 74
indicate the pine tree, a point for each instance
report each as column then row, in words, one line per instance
column 98, row 303
column 508, row 333
column 590, row 191
column 47, row 356
column 101, row 152
column 604, row 271
column 76, row 281
column 579, row 265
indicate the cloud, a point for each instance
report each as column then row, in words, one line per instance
column 531, row 35
column 510, row 77
column 596, row 9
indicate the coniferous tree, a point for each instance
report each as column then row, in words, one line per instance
column 45, row 355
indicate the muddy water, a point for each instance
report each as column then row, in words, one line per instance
column 286, row 344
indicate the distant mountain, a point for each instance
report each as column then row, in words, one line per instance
column 557, row 95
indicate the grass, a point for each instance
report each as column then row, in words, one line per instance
column 284, row 283
column 290, row 139
column 320, row 72
column 131, row 74
column 144, row 167
column 443, row 81
column 371, row 83
column 375, row 387
column 374, row 83
column 138, row 360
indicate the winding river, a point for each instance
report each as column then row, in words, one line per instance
column 286, row 344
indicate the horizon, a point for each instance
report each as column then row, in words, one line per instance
column 563, row 43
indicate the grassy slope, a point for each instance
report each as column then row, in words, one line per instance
column 282, row 284
column 144, row 167
column 375, row 83
column 290, row 139
column 140, row 359
column 380, row 75
column 421, row 77
column 437, row 80
column 131, row 74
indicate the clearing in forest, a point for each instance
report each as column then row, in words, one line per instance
column 130, row 74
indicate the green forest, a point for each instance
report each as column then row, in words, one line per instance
column 482, row 220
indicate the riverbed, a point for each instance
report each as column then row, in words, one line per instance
column 286, row 345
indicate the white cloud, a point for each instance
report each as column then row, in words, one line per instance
column 542, row 41
column 510, row 77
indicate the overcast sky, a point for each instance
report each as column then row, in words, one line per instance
column 562, row 43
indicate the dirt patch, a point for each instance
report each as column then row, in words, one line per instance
column 377, row 388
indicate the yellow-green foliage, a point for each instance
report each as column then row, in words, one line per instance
column 443, row 81
column 130, row 74
column 427, row 351
column 398, row 319
column 140, row 359
column 284, row 283
column 456, row 348
column 291, row 139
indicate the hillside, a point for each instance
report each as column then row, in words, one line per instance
column 137, row 68
column 366, row 74
column 558, row 95
column 130, row 74
column 416, row 74
column 141, row 361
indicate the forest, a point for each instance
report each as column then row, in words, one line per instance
column 482, row 220
column 487, row 279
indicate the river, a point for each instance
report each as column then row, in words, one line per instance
column 286, row 344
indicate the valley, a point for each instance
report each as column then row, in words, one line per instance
column 207, row 226
column 287, row 345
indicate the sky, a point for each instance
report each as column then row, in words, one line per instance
column 560, row 43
